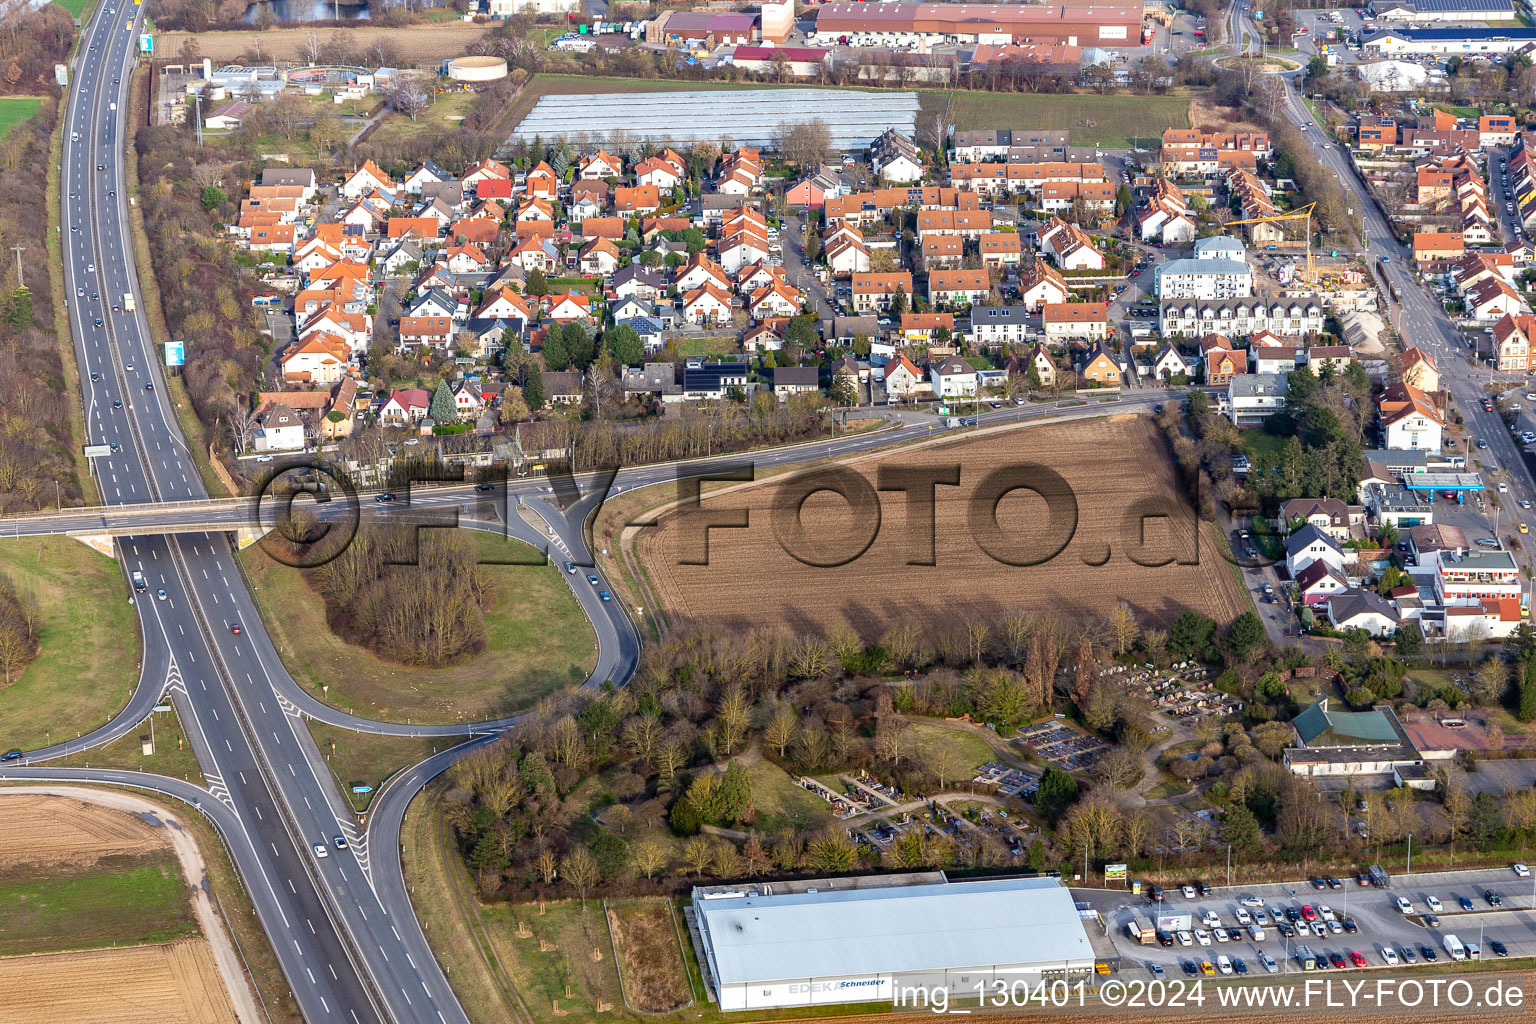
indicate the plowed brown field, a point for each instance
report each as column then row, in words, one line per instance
column 1117, row 469
column 57, row 830
column 176, row 983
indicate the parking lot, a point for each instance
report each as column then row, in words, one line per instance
column 1374, row 912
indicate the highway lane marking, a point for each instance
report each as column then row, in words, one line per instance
column 291, row 888
column 298, row 947
column 311, row 975
column 311, row 926
column 386, row 955
column 333, row 972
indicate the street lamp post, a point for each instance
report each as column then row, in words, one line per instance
column 1409, row 869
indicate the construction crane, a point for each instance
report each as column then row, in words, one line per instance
column 1304, row 213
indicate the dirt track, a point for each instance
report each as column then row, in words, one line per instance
column 74, row 817
column 413, row 43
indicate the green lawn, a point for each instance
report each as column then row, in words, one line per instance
column 74, row 7
column 16, row 109
column 538, row 642
column 396, row 129
column 1257, row 441
column 89, row 660
column 780, row 803
column 1117, row 121
column 927, row 739
column 173, row 754
column 706, row 346
column 358, row 758
column 141, row 901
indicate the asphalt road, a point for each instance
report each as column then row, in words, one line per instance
column 349, row 951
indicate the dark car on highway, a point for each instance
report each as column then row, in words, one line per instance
column 11, row 755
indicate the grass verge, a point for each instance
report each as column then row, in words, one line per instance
column 119, row 901
column 365, row 759
column 538, row 641
column 68, row 366
column 172, row 755
column 89, row 658
column 16, row 109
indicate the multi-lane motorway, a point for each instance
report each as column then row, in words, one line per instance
column 347, row 939
column 341, row 925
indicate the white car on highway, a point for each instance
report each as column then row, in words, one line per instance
column 320, row 850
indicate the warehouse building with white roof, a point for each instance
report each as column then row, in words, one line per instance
column 869, row 939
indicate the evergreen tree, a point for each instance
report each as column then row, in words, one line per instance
column 537, row 284
column 581, row 344
column 624, row 344
column 1056, row 793
column 899, row 302
column 1240, row 828
column 533, row 389
column 1246, row 636
column 685, row 818
column 1528, row 692
column 735, row 792
column 442, row 408
column 213, row 198
column 1410, row 641
column 21, row 309
column 557, row 350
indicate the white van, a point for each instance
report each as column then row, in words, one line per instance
column 1256, row 933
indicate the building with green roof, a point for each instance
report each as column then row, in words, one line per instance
column 1342, row 743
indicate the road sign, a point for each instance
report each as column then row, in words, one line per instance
column 61, row 74
column 97, row 451
column 162, row 707
column 362, row 789
column 175, row 353
column 146, row 43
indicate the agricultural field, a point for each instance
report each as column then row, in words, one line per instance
column 42, row 830
column 413, row 42
column 88, row 664
column 1131, row 515
column 173, row 983
column 539, row 86
column 16, row 109
column 538, row 642
column 650, row 959
column 1114, row 122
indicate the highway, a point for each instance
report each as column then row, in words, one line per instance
column 351, row 951
column 340, row 922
